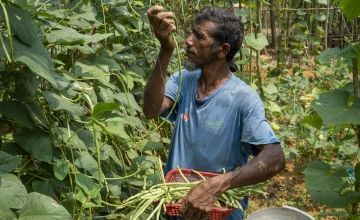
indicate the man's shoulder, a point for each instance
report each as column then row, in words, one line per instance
column 242, row 96
column 242, row 91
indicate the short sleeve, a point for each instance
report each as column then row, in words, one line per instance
column 171, row 91
column 172, row 87
column 256, row 129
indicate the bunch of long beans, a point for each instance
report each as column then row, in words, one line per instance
column 165, row 193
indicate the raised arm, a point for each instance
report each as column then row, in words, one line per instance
column 163, row 25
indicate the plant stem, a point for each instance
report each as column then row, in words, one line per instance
column 355, row 70
column 11, row 55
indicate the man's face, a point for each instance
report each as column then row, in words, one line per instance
column 200, row 46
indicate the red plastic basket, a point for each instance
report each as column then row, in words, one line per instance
column 217, row 213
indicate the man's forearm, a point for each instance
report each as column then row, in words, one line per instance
column 155, row 86
column 268, row 163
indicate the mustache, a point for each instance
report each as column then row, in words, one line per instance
column 188, row 50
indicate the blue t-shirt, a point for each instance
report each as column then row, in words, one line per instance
column 215, row 133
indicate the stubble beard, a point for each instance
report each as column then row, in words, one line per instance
column 190, row 65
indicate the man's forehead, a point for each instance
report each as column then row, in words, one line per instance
column 204, row 26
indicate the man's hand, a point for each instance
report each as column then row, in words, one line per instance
column 163, row 25
column 201, row 199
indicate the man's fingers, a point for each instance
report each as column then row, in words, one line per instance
column 153, row 11
column 165, row 23
column 166, row 14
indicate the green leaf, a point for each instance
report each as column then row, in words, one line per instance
column 128, row 100
column 8, row 162
column 96, row 37
column 70, row 37
column 105, row 94
column 135, row 122
column 66, row 37
column 351, row 8
column 348, row 149
column 36, row 143
column 61, row 168
column 85, row 161
column 322, row 2
column 150, row 145
column 313, row 120
column 111, row 64
column 41, row 207
column 37, row 113
column 271, row 89
column 38, row 59
column 357, row 175
column 114, row 191
column 108, row 151
column 87, row 184
column 7, row 214
column 89, row 14
column 83, row 49
column 22, row 25
column 351, row 50
column 12, row 191
column 69, row 138
column 325, row 183
column 43, row 187
column 120, row 28
column 87, row 70
column 273, row 107
column 144, row 162
column 320, row 17
column 120, row 11
column 129, row 80
column 329, row 54
column 57, row 102
column 258, row 43
column 16, row 111
column 26, row 85
column 116, row 127
column 337, row 107
column 103, row 107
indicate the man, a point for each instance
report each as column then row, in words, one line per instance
column 219, row 119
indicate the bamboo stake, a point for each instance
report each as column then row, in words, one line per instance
column 258, row 29
column 326, row 25
column 273, row 25
column 355, row 70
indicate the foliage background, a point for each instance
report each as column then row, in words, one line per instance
column 74, row 142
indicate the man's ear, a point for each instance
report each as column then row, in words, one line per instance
column 223, row 50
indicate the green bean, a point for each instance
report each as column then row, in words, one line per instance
column 165, row 193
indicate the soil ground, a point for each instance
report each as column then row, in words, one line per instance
column 288, row 188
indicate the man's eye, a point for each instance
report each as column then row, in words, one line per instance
column 199, row 36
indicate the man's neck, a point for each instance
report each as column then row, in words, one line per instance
column 212, row 77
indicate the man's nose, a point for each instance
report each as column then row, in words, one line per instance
column 189, row 41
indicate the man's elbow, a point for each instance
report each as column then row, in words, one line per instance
column 150, row 114
column 280, row 160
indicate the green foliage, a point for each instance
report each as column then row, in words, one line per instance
column 38, row 206
column 326, row 184
column 72, row 78
column 351, row 8
column 257, row 42
column 13, row 192
column 36, row 143
column 338, row 107
column 8, row 163
column 16, row 111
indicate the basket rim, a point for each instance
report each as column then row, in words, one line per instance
column 172, row 173
column 176, row 205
